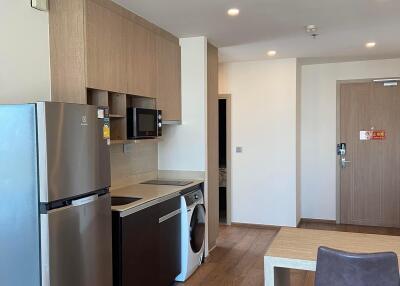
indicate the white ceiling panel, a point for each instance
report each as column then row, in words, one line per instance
column 344, row 26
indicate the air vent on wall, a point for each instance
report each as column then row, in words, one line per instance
column 388, row 81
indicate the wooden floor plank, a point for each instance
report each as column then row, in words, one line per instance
column 238, row 259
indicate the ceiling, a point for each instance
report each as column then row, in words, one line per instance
column 344, row 26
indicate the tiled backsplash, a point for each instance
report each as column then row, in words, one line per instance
column 133, row 163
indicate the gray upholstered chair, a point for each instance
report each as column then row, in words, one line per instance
column 339, row 268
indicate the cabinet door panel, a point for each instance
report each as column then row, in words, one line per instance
column 141, row 61
column 140, row 255
column 105, row 49
column 169, row 241
column 147, row 245
column 170, row 250
column 67, row 51
column 168, row 78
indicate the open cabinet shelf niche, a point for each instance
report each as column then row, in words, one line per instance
column 117, row 104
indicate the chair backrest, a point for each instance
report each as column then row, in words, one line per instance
column 339, row 268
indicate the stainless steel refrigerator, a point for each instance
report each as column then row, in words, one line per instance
column 55, row 212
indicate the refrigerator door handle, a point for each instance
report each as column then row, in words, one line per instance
column 85, row 200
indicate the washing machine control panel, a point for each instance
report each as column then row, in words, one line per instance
column 193, row 197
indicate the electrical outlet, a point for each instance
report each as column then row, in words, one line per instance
column 127, row 148
column 41, row 5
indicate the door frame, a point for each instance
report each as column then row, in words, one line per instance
column 338, row 169
column 228, row 98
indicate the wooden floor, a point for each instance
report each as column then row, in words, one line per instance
column 238, row 257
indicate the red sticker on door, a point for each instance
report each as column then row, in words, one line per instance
column 372, row 135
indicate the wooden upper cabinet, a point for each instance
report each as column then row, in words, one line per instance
column 106, row 49
column 67, row 51
column 168, row 66
column 98, row 44
column 141, row 60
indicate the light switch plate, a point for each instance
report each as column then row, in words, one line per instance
column 41, row 5
column 239, row 149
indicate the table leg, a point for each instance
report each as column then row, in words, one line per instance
column 275, row 276
column 282, row 276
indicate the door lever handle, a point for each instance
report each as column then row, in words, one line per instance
column 344, row 162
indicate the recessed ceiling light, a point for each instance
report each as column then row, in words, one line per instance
column 271, row 53
column 233, row 12
column 370, row 44
column 311, row 29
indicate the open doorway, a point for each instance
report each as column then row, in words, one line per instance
column 224, row 109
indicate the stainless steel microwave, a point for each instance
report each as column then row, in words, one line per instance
column 143, row 123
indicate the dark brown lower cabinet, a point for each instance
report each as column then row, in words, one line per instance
column 147, row 245
column 169, row 242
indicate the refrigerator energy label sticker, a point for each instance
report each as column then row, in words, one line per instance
column 372, row 135
column 106, row 132
column 106, row 128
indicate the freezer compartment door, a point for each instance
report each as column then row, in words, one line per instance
column 77, row 244
column 74, row 157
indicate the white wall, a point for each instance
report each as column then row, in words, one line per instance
column 24, row 53
column 183, row 147
column 182, row 150
column 264, row 124
column 298, row 143
column 318, row 125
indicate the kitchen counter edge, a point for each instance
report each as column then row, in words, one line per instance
column 170, row 193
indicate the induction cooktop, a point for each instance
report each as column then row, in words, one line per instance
column 167, row 182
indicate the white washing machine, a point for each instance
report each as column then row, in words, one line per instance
column 193, row 223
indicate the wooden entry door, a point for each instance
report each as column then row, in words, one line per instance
column 370, row 181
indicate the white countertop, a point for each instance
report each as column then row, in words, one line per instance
column 149, row 195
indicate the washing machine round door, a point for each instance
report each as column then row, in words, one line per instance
column 197, row 228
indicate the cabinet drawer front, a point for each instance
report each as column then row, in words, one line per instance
column 169, row 216
column 169, row 206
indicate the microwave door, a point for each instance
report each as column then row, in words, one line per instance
column 146, row 123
